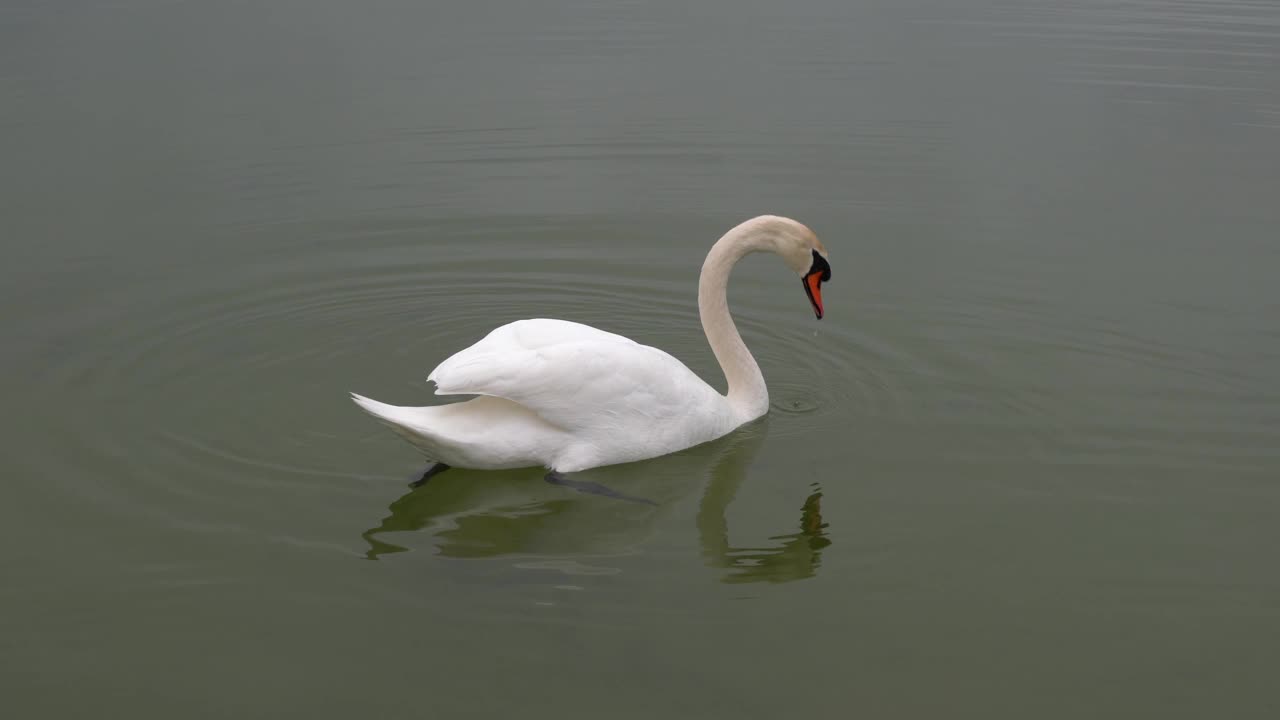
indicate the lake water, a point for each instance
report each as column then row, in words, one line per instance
column 1027, row 467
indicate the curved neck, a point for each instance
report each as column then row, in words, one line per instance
column 747, row 392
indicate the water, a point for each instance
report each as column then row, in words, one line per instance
column 1029, row 465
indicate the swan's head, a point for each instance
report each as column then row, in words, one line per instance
column 803, row 253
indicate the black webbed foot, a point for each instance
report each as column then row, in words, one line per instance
column 430, row 473
column 593, row 488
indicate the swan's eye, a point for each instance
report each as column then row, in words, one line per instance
column 820, row 265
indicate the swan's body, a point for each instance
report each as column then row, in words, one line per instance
column 570, row 397
column 600, row 399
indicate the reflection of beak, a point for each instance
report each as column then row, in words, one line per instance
column 813, row 288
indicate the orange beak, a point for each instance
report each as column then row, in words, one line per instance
column 813, row 288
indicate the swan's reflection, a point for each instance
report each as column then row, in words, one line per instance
column 491, row 514
column 794, row 557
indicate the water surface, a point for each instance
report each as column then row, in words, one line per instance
column 1026, row 467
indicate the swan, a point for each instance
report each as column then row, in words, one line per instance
column 569, row 397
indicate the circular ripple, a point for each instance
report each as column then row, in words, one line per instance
column 233, row 388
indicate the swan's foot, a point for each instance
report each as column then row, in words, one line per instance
column 593, row 488
column 431, row 472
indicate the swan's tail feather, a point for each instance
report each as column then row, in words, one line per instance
column 403, row 420
column 484, row 433
column 381, row 411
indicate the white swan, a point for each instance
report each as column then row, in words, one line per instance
column 569, row 397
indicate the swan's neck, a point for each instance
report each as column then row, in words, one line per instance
column 747, row 392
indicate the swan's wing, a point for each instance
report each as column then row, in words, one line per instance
column 573, row 375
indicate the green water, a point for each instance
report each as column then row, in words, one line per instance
column 1027, row 467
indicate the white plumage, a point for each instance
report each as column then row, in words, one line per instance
column 569, row 397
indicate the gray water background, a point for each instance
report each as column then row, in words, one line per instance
column 1028, row 466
